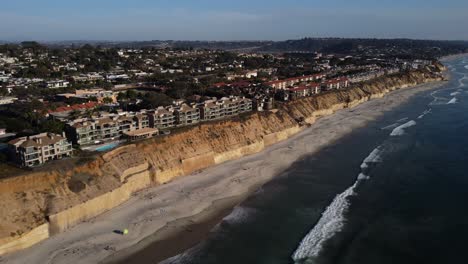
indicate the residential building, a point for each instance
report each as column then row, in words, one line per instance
column 286, row 83
column 39, row 149
column 211, row 110
column 107, row 127
column 57, row 84
column 86, row 94
column 5, row 100
column 338, row 83
column 162, row 118
column 187, row 115
column 304, row 90
column 225, row 107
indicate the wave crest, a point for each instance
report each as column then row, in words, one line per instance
column 399, row 131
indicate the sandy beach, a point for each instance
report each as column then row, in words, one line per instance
column 187, row 208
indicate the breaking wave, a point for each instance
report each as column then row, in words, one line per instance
column 399, row 131
column 331, row 222
column 333, row 218
column 453, row 101
column 374, row 157
column 239, row 215
column 455, row 93
column 466, row 67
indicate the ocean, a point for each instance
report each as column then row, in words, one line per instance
column 391, row 192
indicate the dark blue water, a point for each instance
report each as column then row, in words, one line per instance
column 408, row 206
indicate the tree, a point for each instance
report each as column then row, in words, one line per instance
column 52, row 126
column 107, row 100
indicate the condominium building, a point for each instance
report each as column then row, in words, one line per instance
column 225, row 107
column 107, row 127
column 187, row 115
column 304, row 90
column 162, row 118
column 211, row 110
column 38, row 149
column 338, row 83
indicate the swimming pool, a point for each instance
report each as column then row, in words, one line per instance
column 107, row 147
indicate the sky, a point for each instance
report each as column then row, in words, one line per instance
column 121, row 20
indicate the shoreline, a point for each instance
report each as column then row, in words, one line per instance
column 149, row 211
column 453, row 57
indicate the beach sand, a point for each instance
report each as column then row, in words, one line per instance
column 175, row 216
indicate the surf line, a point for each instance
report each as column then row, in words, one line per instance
column 333, row 218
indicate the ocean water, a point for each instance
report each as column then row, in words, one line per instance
column 395, row 191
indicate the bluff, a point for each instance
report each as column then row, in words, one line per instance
column 42, row 203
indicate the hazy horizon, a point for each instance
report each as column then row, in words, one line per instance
column 208, row 20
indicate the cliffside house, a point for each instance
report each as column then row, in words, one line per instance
column 108, row 127
column 38, row 149
column 286, row 83
column 162, row 118
column 338, row 83
column 187, row 115
column 225, row 107
column 304, row 90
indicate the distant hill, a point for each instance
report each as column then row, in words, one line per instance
column 325, row 45
column 347, row 46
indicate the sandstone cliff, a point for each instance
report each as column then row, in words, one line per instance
column 43, row 203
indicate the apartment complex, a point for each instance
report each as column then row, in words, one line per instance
column 39, row 149
column 225, row 107
column 338, row 83
column 147, row 123
column 162, row 118
column 187, row 115
column 304, row 90
column 105, row 127
column 286, row 83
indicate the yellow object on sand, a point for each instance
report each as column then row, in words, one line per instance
column 125, row 231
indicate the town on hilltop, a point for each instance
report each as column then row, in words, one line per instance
column 63, row 101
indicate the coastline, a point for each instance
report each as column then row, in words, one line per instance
column 453, row 57
column 197, row 193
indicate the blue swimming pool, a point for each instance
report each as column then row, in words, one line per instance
column 107, row 147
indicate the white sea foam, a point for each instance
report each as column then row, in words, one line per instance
column 425, row 113
column 455, row 93
column 331, row 222
column 437, row 100
column 402, row 120
column 466, row 67
column 399, row 131
column 392, row 126
column 374, row 157
column 363, row 177
column 239, row 215
column 453, row 101
column 333, row 218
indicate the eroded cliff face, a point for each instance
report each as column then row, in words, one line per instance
column 44, row 203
